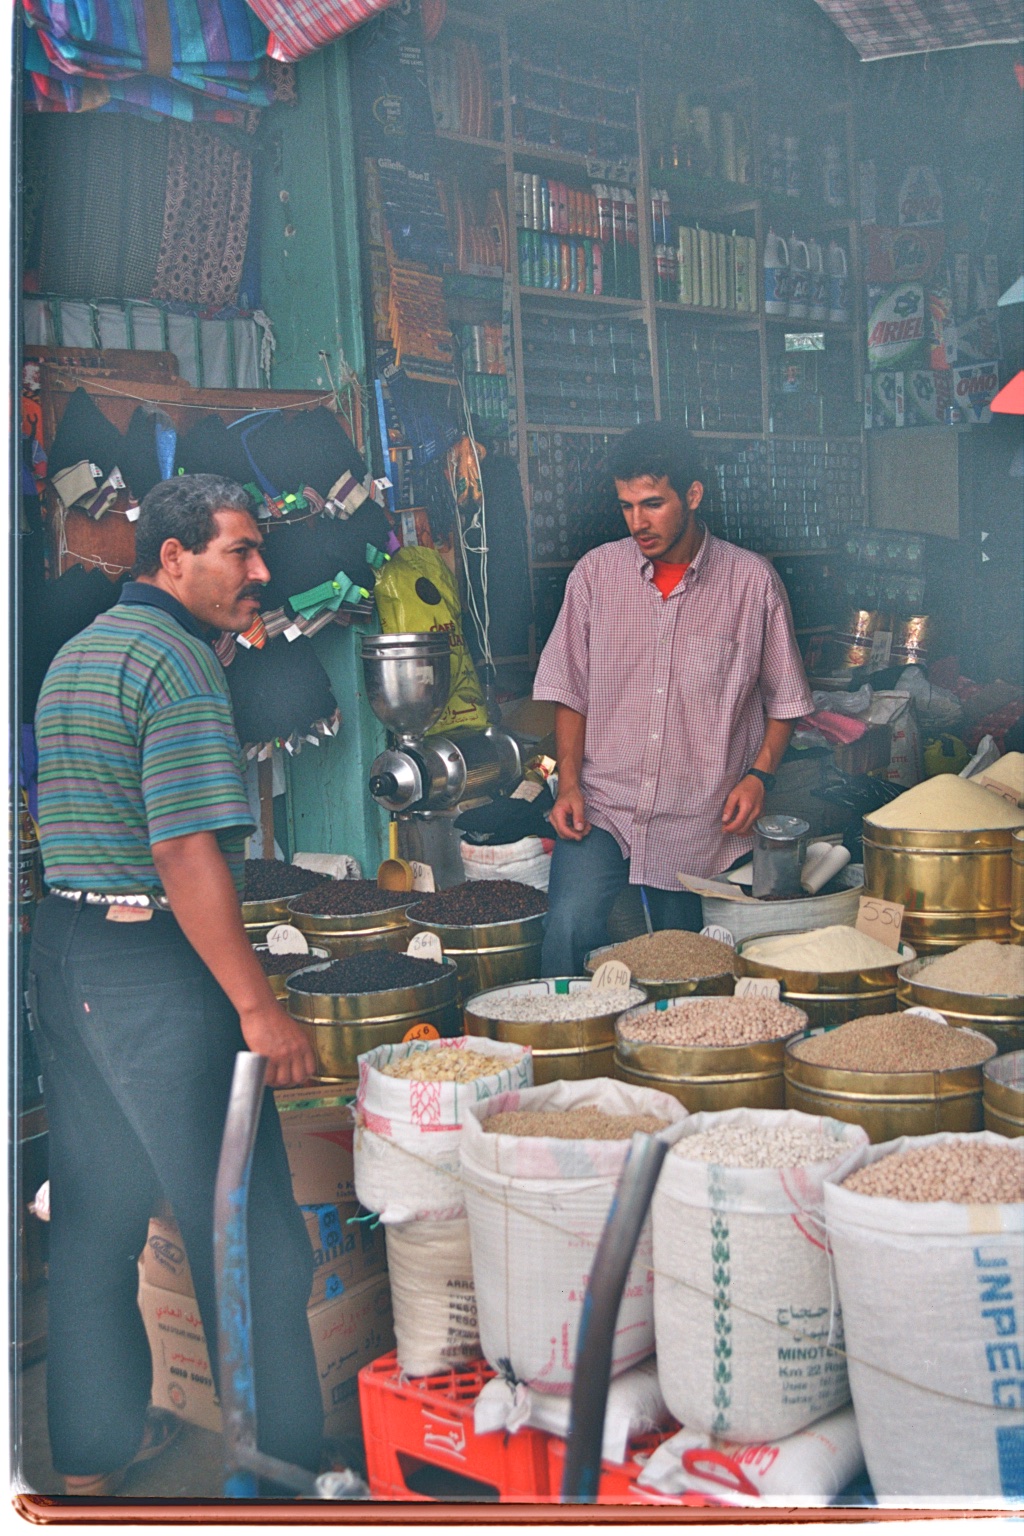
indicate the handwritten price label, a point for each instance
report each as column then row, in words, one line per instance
column 421, row 1031
column 721, row 934
column 758, row 986
column 881, row 920
column 612, row 973
column 422, row 876
column 426, row 946
column 929, row 1013
column 286, row 940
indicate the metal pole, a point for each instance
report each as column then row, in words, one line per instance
column 600, row 1310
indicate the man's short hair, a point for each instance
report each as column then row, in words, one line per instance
column 183, row 508
column 657, row 448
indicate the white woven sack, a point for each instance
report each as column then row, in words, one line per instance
column 537, row 1207
column 743, row 1303
column 525, row 861
column 933, row 1307
column 806, row 1468
column 406, row 1143
column 432, row 1295
column 635, row 1406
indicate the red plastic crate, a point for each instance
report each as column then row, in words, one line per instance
column 618, row 1480
column 421, row 1444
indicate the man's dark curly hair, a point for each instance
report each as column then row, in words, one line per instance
column 657, row 448
column 183, row 508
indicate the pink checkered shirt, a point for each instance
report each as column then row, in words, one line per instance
column 675, row 691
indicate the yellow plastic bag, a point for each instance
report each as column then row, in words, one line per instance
column 416, row 593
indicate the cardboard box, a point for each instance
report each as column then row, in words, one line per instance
column 318, row 1130
column 348, row 1332
column 182, row 1379
column 345, row 1251
column 164, row 1261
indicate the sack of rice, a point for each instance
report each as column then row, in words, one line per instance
column 432, row 1295
column 539, row 1169
column 635, row 1406
column 411, row 1103
column 927, row 1234
column 743, row 1314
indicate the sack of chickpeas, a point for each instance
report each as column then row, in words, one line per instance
column 749, row 1342
column 539, row 1169
column 927, row 1234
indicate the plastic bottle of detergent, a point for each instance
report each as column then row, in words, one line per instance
column 776, row 274
column 817, row 305
column 838, row 285
column 799, row 279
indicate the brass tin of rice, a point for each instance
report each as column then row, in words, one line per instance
column 1001, row 1018
column 352, row 933
column 954, row 886
column 829, row 998
column 340, row 1026
column 888, row 1104
column 721, row 984
column 704, row 1077
column 1017, row 886
column 1003, row 1094
column 277, row 982
column 489, row 954
column 566, row 1049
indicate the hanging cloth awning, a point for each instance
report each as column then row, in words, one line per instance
column 882, row 29
column 298, row 27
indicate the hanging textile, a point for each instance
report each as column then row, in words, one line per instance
column 880, row 29
column 298, row 27
column 206, row 219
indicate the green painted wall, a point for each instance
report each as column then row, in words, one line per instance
column 311, row 291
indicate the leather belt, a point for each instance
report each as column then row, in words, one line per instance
column 104, row 899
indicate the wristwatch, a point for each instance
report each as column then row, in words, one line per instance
column 767, row 779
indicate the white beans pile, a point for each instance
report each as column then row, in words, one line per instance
column 716, row 1021
column 445, row 1066
column 553, row 1007
column 967, row 1172
column 755, row 1146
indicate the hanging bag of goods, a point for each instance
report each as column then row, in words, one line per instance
column 749, row 1347
column 539, row 1170
column 927, row 1235
column 416, row 593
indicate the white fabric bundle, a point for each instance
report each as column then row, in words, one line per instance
column 635, row 1406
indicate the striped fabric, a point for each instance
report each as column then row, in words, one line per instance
column 136, row 744
column 675, row 691
column 880, row 29
column 298, row 27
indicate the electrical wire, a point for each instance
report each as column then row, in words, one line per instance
column 477, row 523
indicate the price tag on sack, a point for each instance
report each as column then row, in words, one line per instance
column 286, row 940
column 881, row 920
column 420, row 1031
column 758, row 986
column 426, row 946
column 611, row 973
column 422, row 876
column 721, row 934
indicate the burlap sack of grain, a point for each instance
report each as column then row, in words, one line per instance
column 743, row 1311
column 933, row 1310
column 537, row 1207
column 406, row 1144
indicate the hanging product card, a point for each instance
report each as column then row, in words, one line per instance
column 881, row 920
column 611, row 973
column 286, row 940
column 758, row 986
column 721, row 934
column 422, row 876
column 426, row 946
column 881, row 648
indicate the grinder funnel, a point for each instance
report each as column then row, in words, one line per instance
column 407, row 679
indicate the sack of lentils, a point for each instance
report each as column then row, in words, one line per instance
column 927, row 1234
column 539, row 1169
column 748, row 1344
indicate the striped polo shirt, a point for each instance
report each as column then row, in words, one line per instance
column 137, row 744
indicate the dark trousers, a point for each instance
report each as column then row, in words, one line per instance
column 586, row 877
column 137, row 1045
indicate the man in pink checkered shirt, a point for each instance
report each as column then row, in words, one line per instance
column 676, row 680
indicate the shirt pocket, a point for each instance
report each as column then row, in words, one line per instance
column 704, row 662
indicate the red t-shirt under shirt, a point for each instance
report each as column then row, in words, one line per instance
column 667, row 575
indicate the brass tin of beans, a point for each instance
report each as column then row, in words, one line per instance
column 340, row 1026
column 567, row 1049
column 710, row 1077
column 722, row 984
column 829, row 998
column 489, row 954
column 1001, row 1018
column 1017, row 886
column 277, row 981
column 954, row 886
column 888, row 1104
column 1003, row 1094
column 353, row 933
column 260, row 916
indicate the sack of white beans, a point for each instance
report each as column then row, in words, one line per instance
column 744, row 1315
column 406, row 1144
column 537, row 1206
column 635, row 1406
column 932, row 1291
column 432, row 1295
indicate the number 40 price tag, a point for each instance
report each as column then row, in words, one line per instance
column 881, row 920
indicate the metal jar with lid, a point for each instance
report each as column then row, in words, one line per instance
column 780, row 848
column 954, row 886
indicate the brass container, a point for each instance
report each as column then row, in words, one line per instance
column 704, row 1076
column 355, row 932
column 563, row 1049
column 1017, row 885
column 1003, row 1094
column 910, row 639
column 340, row 1026
column 850, row 646
column 954, row 886
column 260, row 916
column 888, row 1104
column 277, row 982
column 722, row 984
column 1001, row 1018
column 489, row 954
column 829, row 998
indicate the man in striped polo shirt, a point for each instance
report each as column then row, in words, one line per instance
column 143, row 986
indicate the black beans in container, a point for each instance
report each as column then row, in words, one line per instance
column 345, row 898
column 480, row 902
column 377, row 970
column 272, row 879
column 283, row 965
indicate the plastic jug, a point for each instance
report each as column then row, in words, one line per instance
column 817, row 306
column 776, row 274
column 799, row 279
column 838, row 285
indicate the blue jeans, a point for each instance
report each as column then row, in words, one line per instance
column 137, row 1045
column 586, row 877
